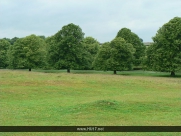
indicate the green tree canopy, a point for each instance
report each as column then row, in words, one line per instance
column 91, row 47
column 100, row 61
column 165, row 53
column 137, row 43
column 116, row 56
column 4, row 46
column 8, row 39
column 68, row 49
column 52, row 53
column 28, row 52
column 13, row 40
column 42, row 37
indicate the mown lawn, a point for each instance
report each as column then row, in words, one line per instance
column 89, row 98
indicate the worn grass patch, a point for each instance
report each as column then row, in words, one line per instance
column 60, row 99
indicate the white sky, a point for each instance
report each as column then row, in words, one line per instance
column 101, row 19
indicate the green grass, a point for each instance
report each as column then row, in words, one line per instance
column 90, row 98
column 125, row 73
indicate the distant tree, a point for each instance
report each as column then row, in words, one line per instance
column 137, row 43
column 4, row 46
column 28, row 52
column 7, row 39
column 165, row 53
column 116, row 56
column 92, row 47
column 52, row 53
column 68, row 49
column 13, row 40
column 141, row 40
column 101, row 60
column 42, row 37
column 86, row 59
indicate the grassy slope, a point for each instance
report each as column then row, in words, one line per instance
column 36, row 98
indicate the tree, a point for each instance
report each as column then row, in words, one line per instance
column 4, row 45
column 137, row 43
column 52, row 53
column 141, row 40
column 42, row 37
column 28, row 52
column 68, row 49
column 7, row 39
column 116, row 56
column 165, row 53
column 91, row 47
column 101, row 59
column 13, row 40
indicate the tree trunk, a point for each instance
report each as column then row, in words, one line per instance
column 114, row 71
column 172, row 74
column 68, row 70
column 29, row 69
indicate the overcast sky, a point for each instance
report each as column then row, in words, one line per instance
column 101, row 19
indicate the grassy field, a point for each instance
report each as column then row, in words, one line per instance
column 90, row 98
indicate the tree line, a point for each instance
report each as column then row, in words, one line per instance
column 68, row 49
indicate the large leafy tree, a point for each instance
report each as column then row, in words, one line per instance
column 52, row 53
column 137, row 43
column 8, row 39
column 4, row 45
column 28, row 52
column 165, row 53
column 116, row 56
column 91, row 48
column 11, row 41
column 92, row 45
column 101, row 59
column 68, row 49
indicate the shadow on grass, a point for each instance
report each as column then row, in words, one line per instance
column 148, row 74
column 75, row 71
column 178, row 75
column 151, row 75
column 123, row 73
